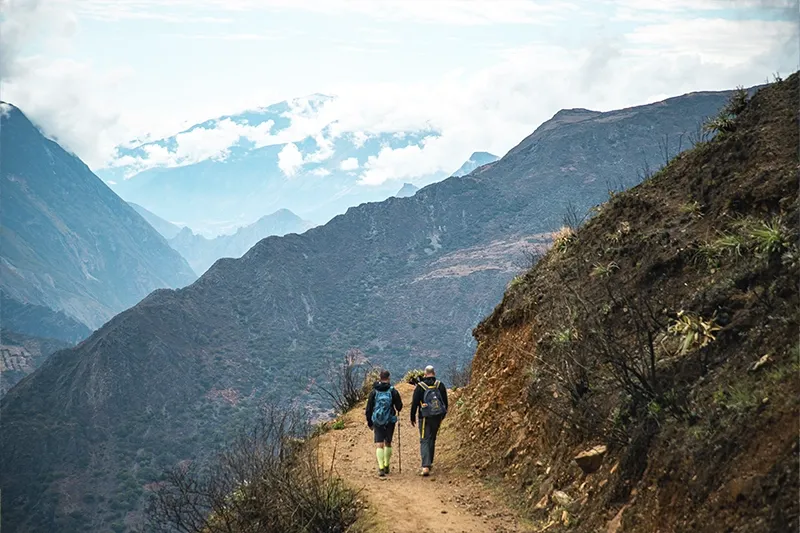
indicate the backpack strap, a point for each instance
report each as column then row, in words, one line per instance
column 424, row 385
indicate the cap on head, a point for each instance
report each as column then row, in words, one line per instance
column 384, row 375
column 429, row 371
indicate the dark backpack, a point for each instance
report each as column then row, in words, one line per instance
column 382, row 412
column 432, row 404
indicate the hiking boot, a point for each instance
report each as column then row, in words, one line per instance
column 386, row 470
column 381, row 473
column 426, row 472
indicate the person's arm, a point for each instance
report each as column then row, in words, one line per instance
column 398, row 401
column 415, row 404
column 370, row 407
column 443, row 390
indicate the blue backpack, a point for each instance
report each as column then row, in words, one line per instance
column 382, row 412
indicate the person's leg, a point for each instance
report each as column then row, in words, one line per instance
column 425, row 444
column 380, row 453
column 387, row 448
column 434, row 424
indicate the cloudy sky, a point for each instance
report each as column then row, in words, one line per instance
column 95, row 74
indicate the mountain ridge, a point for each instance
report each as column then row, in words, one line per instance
column 202, row 252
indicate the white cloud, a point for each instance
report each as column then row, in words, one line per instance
column 452, row 12
column 481, row 108
column 321, row 172
column 290, row 159
column 325, row 149
column 351, row 163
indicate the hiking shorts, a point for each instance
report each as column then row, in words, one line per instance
column 384, row 433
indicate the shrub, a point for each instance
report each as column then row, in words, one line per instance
column 725, row 121
column 515, row 281
column 347, row 387
column 563, row 238
column 604, row 271
column 266, row 481
column 769, row 237
column 695, row 331
column 459, row 376
column 338, row 424
column 413, row 376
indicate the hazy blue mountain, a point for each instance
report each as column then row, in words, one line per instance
column 68, row 242
column 477, row 159
column 406, row 280
column 167, row 229
column 40, row 321
column 215, row 192
column 408, row 189
column 202, row 252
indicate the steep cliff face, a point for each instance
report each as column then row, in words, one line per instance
column 68, row 242
column 405, row 280
column 659, row 343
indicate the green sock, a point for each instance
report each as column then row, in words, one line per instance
column 380, row 454
column 387, row 455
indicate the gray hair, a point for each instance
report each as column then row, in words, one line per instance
column 429, row 370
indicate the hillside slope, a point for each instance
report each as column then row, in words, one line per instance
column 68, row 242
column 167, row 229
column 405, row 280
column 40, row 321
column 611, row 340
column 21, row 354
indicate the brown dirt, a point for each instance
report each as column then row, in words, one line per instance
column 452, row 501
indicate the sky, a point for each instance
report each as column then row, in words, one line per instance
column 99, row 74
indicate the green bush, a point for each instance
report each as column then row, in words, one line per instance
column 413, row 376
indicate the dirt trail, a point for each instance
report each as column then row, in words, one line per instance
column 405, row 502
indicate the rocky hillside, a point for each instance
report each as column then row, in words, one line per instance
column 643, row 376
column 405, row 280
column 38, row 320
column 69, row 243
column 21, row 354
column 202, row 252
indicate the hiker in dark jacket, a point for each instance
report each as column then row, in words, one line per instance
column 383, row 404
column 430, row 397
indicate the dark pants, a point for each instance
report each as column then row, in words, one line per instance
column 428, row 429
column 384, row 433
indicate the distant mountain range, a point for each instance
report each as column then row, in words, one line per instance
column 202, row 252
column 263, row 164
column 405, row 280
column 68, row 242
column 477, row 159
column 408, row 189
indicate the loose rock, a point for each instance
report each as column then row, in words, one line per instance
column 591, row 460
